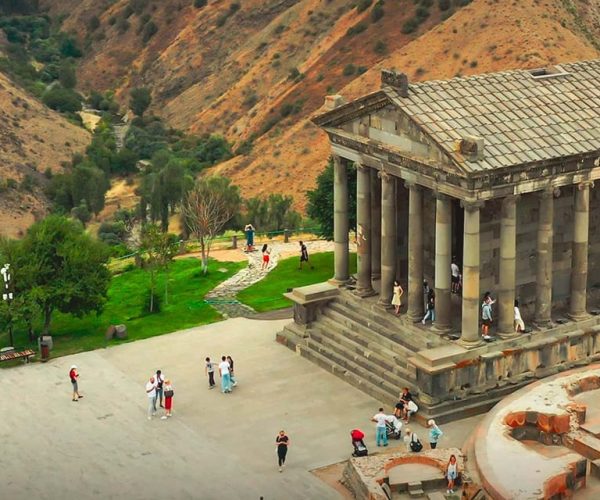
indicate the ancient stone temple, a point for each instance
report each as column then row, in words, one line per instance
column 495, row 171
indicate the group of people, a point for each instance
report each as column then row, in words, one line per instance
column 157, row 389
column 225, row 369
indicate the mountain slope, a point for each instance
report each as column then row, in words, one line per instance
column 32, row 140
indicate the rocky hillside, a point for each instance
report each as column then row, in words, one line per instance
column 33, row 141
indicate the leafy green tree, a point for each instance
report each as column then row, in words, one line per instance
column 67, row 268
column 61, row 99
column 320, row 201
column 66, row 75
column 274, row 213
column 81, row 213
column 68, row 47
column 89, row 184
column 140, row 100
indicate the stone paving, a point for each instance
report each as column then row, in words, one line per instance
column 223, row 297
column 215, row 446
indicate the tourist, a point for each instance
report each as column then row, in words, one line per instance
column 282, row 442
column 380, row 429
column 224, row 374
column 249, row 231
column 74, row 375
column 519, row 325
column 209, row 369
column 426, row 290
column 266, row 252
column 430, row 314
column 451, row 473
column 151, row 393
column 405, row 397
column 410, row 409
column 411, row 441
column 303, row 255
column 434, row 433
column 396, row 299
column 455, row 276
column 486, row 315
column 168, row 399
column 231, row 376
column 160, row 380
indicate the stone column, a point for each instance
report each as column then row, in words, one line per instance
column 579, row 264
column 543, row 296
column 507, row 271
column 340, row 220
column 470, row 296
column 443, row 249
column 415, row 252
column 388, row 238
column 363, row 231
column 375, row 224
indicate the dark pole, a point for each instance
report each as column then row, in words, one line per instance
column 8, row 296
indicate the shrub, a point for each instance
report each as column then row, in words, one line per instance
column 363, row 5
column 200, row 3
column 290, row 108
column 93, row 23
column 427, row 3
column 61, row 99
column 444, row 4
column 68, row 47
column 356, row 29
column 349, row 69
column 422, row 13
column 28, row 183
column 150, row 29
column 410, row 26
column 294, row 74
column 377, row 13
column 122, row 25
column 380, row 47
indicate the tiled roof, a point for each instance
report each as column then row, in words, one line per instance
column 522, row 118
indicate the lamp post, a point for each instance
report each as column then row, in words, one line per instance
column 7, row 295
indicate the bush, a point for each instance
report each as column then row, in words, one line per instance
column 28, row 183
column 63, row 100
column 93, row 24
column 380, row 47
column 200, row 3
column 290, row 108
column 410, row 26
column 356, row 29
column 422, row 13
column 349, row 69
column 427, row 3
column 444, row 4
column 363, row 5
column 122, row 25
column 150, row 29
column 377, row 13
column 68, row 47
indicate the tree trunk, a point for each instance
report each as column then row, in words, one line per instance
column 31, row 332
column 204, row 256
column 47, row 320
column 166, row 286
column 152, row 286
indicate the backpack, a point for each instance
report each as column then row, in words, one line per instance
column 415, row 446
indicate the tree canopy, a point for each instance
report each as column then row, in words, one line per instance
column 140, row 100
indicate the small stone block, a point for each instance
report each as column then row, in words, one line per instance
column 595, row 468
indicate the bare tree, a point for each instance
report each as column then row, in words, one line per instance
column 208, row 206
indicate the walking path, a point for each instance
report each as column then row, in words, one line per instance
column 223, row 296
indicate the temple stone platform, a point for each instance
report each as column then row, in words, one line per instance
column 542, row 439
column 371, row 348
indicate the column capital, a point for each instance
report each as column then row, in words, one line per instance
column 361, row 167
column 472, row 205
column 385, row 176
column 441, row 196
column 585, row 185
column 413, row 186
column 549, row 192
column 337, row 159
column 511, row 198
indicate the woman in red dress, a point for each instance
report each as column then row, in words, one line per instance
column 266, row 256
column 168, row 399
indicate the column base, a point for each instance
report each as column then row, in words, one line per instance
column 365, row 292
column 509, row 335
column 384, row 304
column 413, row 318
column 337, row 282
column 542, row 324
column 469, row 344
column 579, row 316
column 376, row 276
column 441, row 329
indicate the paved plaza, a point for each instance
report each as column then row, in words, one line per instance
column 215, row 446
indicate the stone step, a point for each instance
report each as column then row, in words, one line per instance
column 588, row 446
column 384, row 368
column 370, row 331
column 375, row 391
column 360, row 341
column 393, row 330
column 373, row 378
column 415, row 490
column 424, row 337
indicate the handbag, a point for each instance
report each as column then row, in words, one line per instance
column 415, row 446
column 169, row 394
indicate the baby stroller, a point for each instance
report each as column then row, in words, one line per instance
column 393, row 427
column 360, row 450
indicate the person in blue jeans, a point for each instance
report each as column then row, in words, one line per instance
column 225, row 376
column 381, row 433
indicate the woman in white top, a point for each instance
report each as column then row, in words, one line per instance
column 396, row 299
column 451, row 473
column 519, row 325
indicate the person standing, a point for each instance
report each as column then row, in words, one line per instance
column 282, row 441
column 303, row 254
column 160, row 380
column 380, row 430
column 396, row 298
column 486, row 315
column 151, row 393
column 451, row 473
column 249, row 230
column 224, row 374
column 231, row 376
column 519, row 325
column 209, row 369
column 74, row 375
column 430, row 314
column 434, row 433
column 266, row 256
column 168, row 399
column 455, row 276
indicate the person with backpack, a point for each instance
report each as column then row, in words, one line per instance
column 74, row 375
column 160, row 380
column 411, row 440
column 430, row 314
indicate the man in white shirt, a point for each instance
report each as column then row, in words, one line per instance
column 519, row 325
column 225, row 376
column 151, row 393
column 455, row 275
column 381, row 433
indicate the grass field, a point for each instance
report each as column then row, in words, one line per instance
column 126, row 295
column 266, row 295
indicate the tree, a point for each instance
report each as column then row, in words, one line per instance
column 61, row 99
column 66, row 75
column 140, row 100
column 274, row 213
column 208, row 206
column 320, row 201
column 67, row 268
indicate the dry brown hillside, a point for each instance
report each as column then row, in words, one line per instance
column 233, row 76
column 32, row 139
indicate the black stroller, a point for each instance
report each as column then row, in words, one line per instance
column 360, row 450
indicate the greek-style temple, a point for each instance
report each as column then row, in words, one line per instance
column 495, row 171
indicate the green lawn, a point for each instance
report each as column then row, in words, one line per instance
column 266, row 295
column 186, row 308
